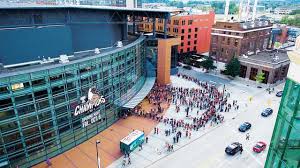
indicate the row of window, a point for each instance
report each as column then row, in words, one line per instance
column 189, row 49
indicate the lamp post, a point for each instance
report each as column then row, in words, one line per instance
column 98, row 159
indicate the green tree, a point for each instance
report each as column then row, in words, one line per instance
column 260, row 77
column 208, row 64
column 233, row 67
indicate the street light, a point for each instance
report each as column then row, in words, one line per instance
column 98, row 159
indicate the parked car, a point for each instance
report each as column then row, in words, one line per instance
column 267, row 112
column 259, row 147
column 233, row 148
column 244, row 127
column 279, row 94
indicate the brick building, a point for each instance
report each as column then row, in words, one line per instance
column 274, row 64
column 194, row 30
column 234, row 39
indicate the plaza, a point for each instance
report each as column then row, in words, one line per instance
column 206, row 146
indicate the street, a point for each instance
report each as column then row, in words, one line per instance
column 206, row 149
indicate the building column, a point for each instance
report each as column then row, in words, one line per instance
column 248, row 72
column 164, row 59
column 154, row 27
column 124, row 28
column 271, row 76
column 165, row 26
column 133, row 25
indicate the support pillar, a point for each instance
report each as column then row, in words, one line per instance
column 164, row 59
column 165, row 26
column 154, row 27
column 124, row 28
column 133, row 25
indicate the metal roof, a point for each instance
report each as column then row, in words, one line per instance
column 32, row 6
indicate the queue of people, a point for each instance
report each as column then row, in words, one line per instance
column 202, row 105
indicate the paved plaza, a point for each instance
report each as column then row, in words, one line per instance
column 206, row 147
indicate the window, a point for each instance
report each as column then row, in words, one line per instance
column 195, row 48
column 188, row 49
column 189, row 36
column 190, row 30
column 228, row 41
column 38, row 19
column 236, row 43
column 195, row 41
column 182, row 30
column 196, row 35
column 176, row 22
column 189, row 43
column 182, row 37
column 183, row 22
column 181, row 44
column 181, row 50
column 196, row 29
column 222, row 49
column 190, row 22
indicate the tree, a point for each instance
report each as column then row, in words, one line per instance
column 208, row 64
column 233, row 67
column 260, row 77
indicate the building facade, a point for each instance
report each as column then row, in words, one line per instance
column 234, row 39
column 38, row 107
column 194, row 30
column 50, row 105
column 273, row 64
column 284, row 149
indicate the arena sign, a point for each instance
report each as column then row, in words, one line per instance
column 88, row 104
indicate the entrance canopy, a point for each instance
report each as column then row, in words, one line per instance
column 149, row 83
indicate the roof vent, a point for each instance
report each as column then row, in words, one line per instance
column 97, row 51
column 63, row 59
column 119, row 44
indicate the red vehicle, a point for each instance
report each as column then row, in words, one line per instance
column 260, row 146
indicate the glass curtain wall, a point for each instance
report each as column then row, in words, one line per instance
column 37, row 118
column 284, row 149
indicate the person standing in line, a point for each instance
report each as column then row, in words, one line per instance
column 129, row 161
column 146, row 139
column 124, row 162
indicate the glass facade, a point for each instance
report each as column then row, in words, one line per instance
column 37, row 109
column 284, row 149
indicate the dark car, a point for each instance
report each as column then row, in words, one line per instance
column 267, row 112
column 187, row 67
column 244, row 127
column 279, row 94
column 233, row 148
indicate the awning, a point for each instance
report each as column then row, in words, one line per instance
column 149, row 83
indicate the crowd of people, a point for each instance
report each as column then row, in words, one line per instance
column 201, row 105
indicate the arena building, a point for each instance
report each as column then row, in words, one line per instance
column 67, row 73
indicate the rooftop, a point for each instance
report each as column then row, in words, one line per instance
column 76, row 58
column 269, row 58
column 242, row 25
column 36, row 6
